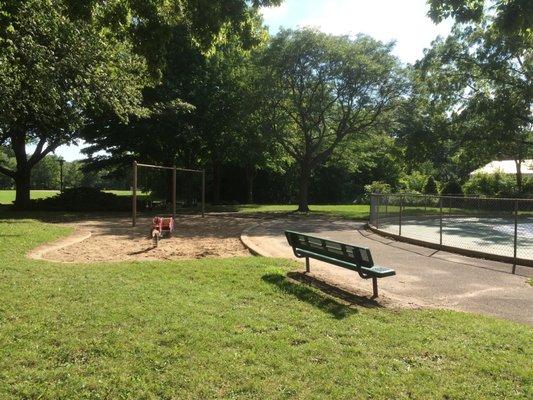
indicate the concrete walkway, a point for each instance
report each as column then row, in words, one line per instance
column 424, row 277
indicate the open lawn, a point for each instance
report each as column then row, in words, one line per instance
column 8, row 196
column 235, row 328
column 349, row 211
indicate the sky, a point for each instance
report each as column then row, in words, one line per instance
column 403, row 21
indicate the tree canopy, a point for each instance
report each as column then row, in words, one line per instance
column 322, row 89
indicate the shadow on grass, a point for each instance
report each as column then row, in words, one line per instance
column 320, row 299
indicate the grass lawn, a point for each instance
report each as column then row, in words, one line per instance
column 8, row 196
column 234, row 328
column 350, row 211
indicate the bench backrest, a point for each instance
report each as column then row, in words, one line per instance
column 341, row 251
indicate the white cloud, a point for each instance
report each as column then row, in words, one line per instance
column 275, row 13
column 404, row 22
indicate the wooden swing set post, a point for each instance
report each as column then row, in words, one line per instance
column 174, row 187
column 134, row 195
column 174, row 192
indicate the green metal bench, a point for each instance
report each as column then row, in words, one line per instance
column 340, row 254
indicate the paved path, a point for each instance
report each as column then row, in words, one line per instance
column 424, row 277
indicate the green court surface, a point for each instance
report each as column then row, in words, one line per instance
column 489, row 235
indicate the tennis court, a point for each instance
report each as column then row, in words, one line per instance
column 489, row 235
column 502, row 227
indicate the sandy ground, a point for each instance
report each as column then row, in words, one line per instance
column 116, row 240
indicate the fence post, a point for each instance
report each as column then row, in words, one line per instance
column 440, row 229
column 378, row 197
column 174, row 192
column 400, row 221
column 515, row 244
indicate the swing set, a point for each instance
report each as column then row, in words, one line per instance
column 174, row 169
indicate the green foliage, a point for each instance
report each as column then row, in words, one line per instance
column 452, row 188
column 510, row 16
column 46, row 173
column 57, row 71
column 430, row 186
column 495, row 185
column 481, row 77
column 7, row 160
column 413, row 182
column 378, row 187
column 316, row 89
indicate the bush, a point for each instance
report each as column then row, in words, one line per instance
column 378, row 187
column 495, row 185
column 414, row 182
column 452, row 188
column 84, row 199
column 431, row 186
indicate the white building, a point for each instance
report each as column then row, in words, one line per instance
column 506, row 167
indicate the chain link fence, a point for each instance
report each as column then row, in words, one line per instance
column 500, row 229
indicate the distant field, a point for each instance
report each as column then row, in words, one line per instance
column 349, row 211
column 8, row 196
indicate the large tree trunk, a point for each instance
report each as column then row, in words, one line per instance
column 249, row 171
column 23, row 172
column 305, row 174
column 22, row 183
column 519, row 175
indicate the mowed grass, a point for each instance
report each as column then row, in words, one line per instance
column 8, row 196
column 236, row 329
column 348, row 211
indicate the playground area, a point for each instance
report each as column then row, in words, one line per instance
column 114, row 239
column 425, row 277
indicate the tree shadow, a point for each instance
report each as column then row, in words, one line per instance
column 317, row 299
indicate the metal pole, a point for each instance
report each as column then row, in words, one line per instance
column 400, row 221
column 440, row 231
column 377, row 210
column 174, row 192
column 61, row 162
column 515, row 245
column 203, row 193
column 134, row 195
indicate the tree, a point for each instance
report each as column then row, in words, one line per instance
column 55, row 69
column 510, row 16
column 322, row 89
column 67, row 64
column 46, row 173
column 431, row 186
column 197, row 106
column 485, row 68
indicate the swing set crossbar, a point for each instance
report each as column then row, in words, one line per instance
column 173, row 169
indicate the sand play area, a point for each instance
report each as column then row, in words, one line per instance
column 114, row 239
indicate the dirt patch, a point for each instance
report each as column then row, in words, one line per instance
column 114, row 239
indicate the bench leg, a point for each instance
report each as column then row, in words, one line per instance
column 375, row 287
column 307, row 266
